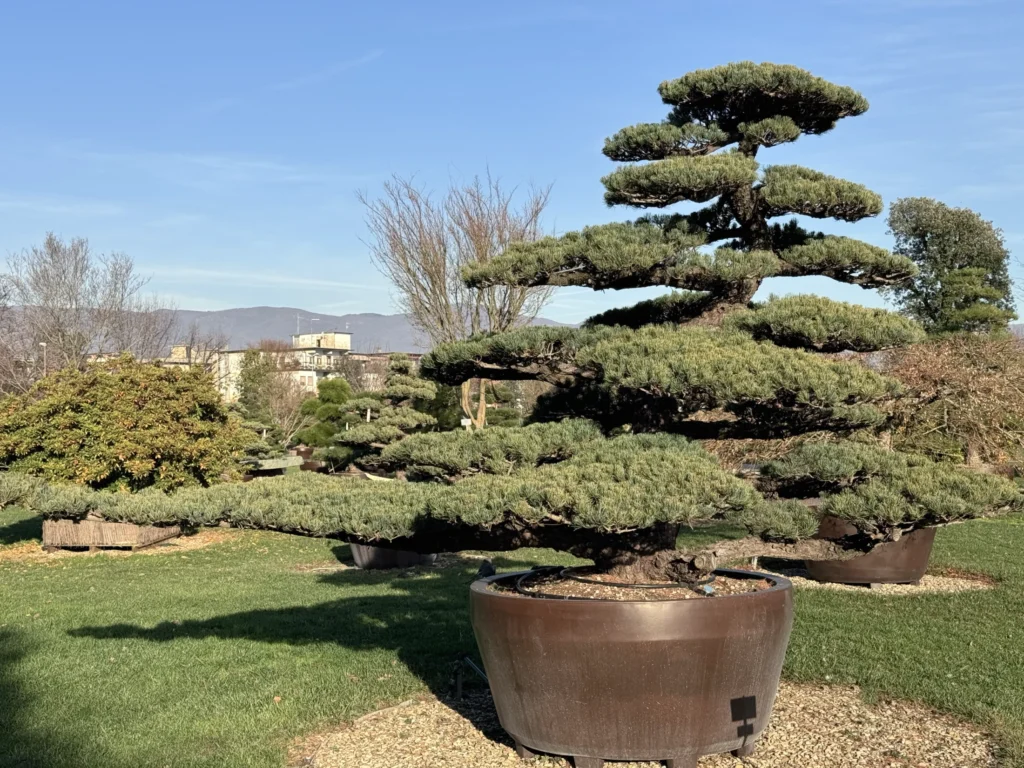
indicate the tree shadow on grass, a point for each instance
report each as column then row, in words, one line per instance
column 26, row 740
column 420, row 614
column 26, row 529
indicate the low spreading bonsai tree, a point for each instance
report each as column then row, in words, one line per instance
column 618, row 469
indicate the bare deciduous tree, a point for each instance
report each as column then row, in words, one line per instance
column 285, row 397
column 70, row 303
column 201, row 347
column 13, row 371
column 270, row 392
column 421, row 245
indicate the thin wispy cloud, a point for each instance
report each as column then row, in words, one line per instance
column 194, row 303
column 894, row 58
column 260, row 92
column 208, row 171
column 326, row 74
column 60, row 207
column 213, row 107
column 989, row 190
column 245, row 278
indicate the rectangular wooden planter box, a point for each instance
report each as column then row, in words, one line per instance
column 94, row 534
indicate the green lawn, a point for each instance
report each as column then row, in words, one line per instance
column 176, row 659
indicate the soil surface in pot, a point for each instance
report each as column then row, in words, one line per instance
column 601, row 586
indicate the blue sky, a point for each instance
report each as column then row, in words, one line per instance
column 221, row 144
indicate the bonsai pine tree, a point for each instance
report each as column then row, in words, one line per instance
column 372, row 423
column 621, row 470
column 329, row 418
column 704, row 361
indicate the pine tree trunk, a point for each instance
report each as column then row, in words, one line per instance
column 476, row 414
column 481, row 406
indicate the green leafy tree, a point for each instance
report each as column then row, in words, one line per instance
column 963, row 282
column 254, row 377
column 618, row 485
column 253, row 406
column 121, row 424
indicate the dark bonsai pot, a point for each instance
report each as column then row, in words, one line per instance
column 895, row 562
column 378, row 558
column 633, row 680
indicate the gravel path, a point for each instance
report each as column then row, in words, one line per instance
column 811, row 727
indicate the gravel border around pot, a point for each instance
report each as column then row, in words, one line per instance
column 952, row 582
column 811, row 726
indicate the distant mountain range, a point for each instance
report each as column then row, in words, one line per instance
column 370, row 332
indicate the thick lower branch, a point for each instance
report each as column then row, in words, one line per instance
column 680, row 565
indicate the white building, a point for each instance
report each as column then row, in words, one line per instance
column 311, row 358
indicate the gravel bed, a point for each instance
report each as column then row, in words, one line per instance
column 812, row 726
column 949, row 583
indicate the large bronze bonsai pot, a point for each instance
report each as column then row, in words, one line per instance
column 633, row 680
column 895, row 562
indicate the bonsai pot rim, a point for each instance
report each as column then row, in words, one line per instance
column 778, row 583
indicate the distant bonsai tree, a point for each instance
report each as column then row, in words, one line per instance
column 617, row 485
column 121, row 424
column 329, row 418
column 963, row 281
column 365, row 425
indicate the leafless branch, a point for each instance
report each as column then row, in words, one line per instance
column 422, row 245
column 67, row 304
